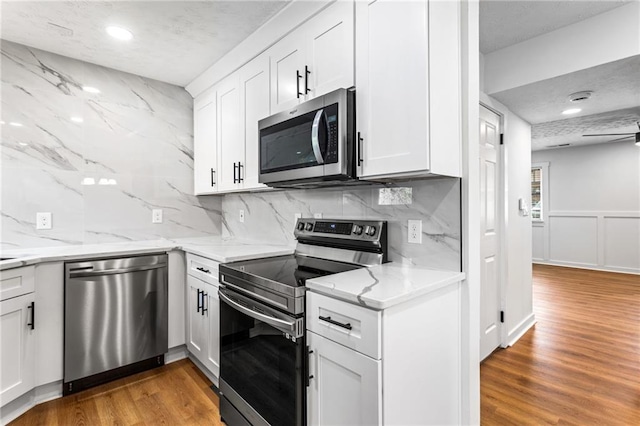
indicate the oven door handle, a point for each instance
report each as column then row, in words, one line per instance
column 285, row 326
column 315, row 142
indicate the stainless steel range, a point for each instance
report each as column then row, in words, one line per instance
column 263, row 356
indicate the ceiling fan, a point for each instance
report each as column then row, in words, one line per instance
column 625, row 135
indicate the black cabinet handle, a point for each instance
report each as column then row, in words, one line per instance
column 235, row 180
column 213, row 175
column 204, row 296
column 199, row 307
column 306, row 79
column 334, row 322
column 298, row 77
column 32, row 324
column 206, row 271
column 308, row 375
column 359, row 149
column 240, row 167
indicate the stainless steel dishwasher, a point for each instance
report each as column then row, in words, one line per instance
column 115, row 319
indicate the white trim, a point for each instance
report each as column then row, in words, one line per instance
column 14, row 409
column 176, row 354
column 518, row 331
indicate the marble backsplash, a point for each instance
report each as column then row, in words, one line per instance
column 271, row 215
column 99, row 162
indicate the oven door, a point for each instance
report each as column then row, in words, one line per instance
column 261, row 362
column 305, row 142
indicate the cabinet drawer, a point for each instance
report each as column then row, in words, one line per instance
column 16, row 282
column 202, row 268
column 350, row 325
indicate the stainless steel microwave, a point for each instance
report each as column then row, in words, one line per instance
column 311, row 144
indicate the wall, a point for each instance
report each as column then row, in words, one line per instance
column 593, row 214
column 136, row 134
column 436, row 201
column 516, row 276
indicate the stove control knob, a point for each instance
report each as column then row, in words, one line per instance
column 300, row 226
column 370, row 231
column 308, row 226
column 357, row 229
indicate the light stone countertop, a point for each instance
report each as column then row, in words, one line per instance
column 215, row 248
column 381, row 287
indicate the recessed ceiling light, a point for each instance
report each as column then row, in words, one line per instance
column 571, row 111
column 90, row 89
column 119, row 33
column 77, row 119
column 15, row 124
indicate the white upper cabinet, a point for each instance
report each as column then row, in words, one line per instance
column 407, row 88
column 314, row 59
column 254, row 105
column 204, row 143
column 230, row 141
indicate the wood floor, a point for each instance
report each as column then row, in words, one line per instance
column 176, row 394
column 580, row 364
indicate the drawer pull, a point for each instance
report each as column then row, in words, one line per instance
column 334, row 322
column 206, row 271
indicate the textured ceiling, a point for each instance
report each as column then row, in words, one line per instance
column 615, row 85
column 174, row 41
column 503, row 23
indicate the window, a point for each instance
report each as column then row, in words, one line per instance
column 536, row 194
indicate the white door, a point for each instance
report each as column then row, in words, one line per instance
column 392, row 103
column 489, row 226
column 346, row 387
column 254, row 89
column 196, row 333
column 17, row 354
column 287, row 72
column 213, row 327
column 230, row 143
column 204, row 144
column 329, row 52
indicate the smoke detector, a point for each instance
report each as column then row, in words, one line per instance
column 580, row 96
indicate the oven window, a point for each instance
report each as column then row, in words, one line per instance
column 262, row 366
column 287, row 145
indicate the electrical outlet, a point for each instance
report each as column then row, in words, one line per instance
column 317, row 215
column 156, row 216
column 43, row 220
column 414, row 231
column 241, row 216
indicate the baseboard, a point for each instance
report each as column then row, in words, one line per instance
column 590, row 268
column 176, row 354
column 520, row 329
column 28, row 400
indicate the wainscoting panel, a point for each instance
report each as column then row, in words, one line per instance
column 538, row 242
column 622, row 242
column 573, row 239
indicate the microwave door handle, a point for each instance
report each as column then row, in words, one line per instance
column 315, row 143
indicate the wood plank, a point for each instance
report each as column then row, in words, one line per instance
column 580, row 364
column 177, row 393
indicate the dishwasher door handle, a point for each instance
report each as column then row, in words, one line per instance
column 94, row 273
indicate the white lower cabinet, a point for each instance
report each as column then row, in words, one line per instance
column 49, row 326
column 203, row 313
column 18, row 347
column 346, row 385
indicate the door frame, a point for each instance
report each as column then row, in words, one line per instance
column 502, row 219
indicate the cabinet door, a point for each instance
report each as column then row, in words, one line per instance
column 213, row 338
column 17, row 349
column 204, row 144
column 254, row 91
column 196, row 332
column 230, row 142
column 329, row 50
column 392, row 80
column 287, row 63
column 346, row 388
